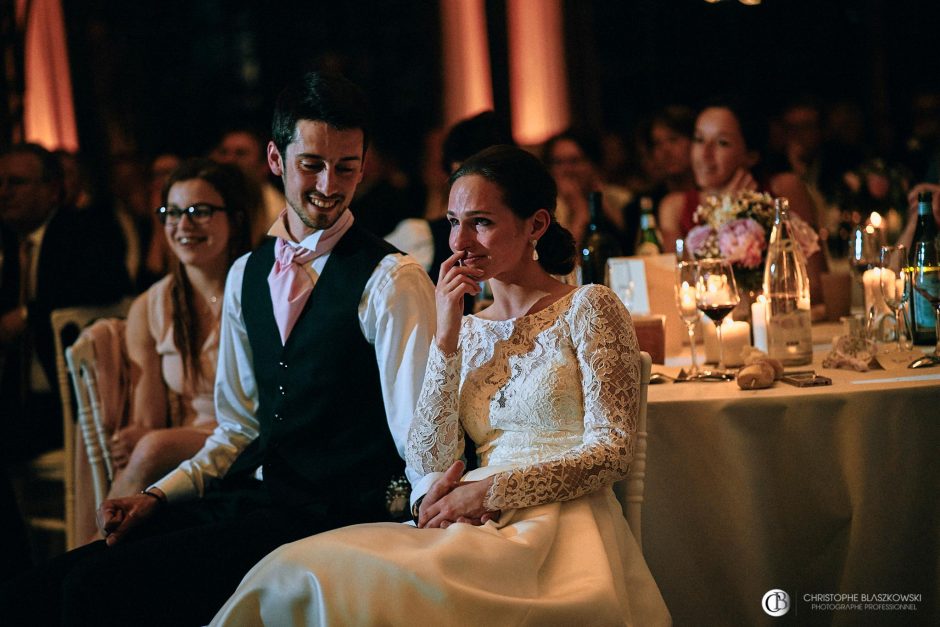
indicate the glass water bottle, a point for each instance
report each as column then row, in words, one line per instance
column 786, row 288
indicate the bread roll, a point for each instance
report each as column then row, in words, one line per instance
column 756, row 376
column 757, row 357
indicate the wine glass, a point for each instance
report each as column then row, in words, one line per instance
column 863, row 252
column 925, row 279
column 688, row 308
column 716, row 295
column 894, row 277
column 864, row 249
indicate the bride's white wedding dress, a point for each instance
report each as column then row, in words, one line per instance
column 551, row 400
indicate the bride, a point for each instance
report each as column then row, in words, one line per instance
column 545, row 381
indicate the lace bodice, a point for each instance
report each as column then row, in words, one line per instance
column 554, row 395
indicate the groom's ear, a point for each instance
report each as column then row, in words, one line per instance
column 275, row 161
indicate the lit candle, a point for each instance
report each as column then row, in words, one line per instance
column 871, row 281
column 735, row 336
column 687, row 300
column 892, row 285
column 759, row 322
column 716, row 290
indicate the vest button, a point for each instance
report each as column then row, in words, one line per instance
column 281, row 389
column 278, row 417
column 282, row 365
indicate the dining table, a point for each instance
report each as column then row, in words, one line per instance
column 829, row 494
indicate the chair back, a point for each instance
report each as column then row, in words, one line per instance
column 67, row 324
column 81, row 361
column 630, row 490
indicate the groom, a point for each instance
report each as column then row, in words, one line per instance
column 325, row 332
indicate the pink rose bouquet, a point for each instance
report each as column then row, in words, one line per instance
column 737, row 228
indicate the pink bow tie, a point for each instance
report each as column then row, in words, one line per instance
column 289, row 282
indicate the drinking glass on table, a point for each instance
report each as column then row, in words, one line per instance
column 894, row 279
column 688, row 308
column 716, row 295
column 864, row 248
column 925, row 279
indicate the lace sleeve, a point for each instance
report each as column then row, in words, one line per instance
column 435, row 438
column 605, row 343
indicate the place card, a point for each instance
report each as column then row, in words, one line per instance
column 628, row 281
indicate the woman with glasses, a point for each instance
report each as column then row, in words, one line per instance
column 173, row 328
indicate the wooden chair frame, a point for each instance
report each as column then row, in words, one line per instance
column 630, row 491
column 67, row 321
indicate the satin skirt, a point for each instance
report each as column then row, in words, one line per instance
column 568, row 563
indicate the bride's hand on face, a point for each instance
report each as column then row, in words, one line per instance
column 454, row 281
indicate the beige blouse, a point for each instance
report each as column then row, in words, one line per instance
column 190, row 406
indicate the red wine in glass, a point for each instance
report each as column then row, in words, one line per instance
column 717, row 312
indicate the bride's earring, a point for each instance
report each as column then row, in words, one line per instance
column 535, row 253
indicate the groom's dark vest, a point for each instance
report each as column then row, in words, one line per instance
column 324, row 441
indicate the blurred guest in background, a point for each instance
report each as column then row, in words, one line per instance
column 131, row 207
column 922, row 147
column 78, row 191
column 173, row 327
column 52, row 258
column 433, row 180
column 384, row 206
column 247, row 149
column 573, row 158
column 907, row 236
column 667, row 140
column 726, row 155
column 820, row 161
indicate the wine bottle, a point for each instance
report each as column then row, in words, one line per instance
column 922, row 260
column 786, row 287
column 599, row 245
column 650, row 241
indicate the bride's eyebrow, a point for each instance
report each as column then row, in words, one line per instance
column 471, row 214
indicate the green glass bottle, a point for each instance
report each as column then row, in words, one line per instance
column 923, row 257
column 650, row 241
column 599, row 245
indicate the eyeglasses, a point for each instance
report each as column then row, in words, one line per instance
column 198, row 214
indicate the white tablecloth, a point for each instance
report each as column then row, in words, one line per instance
column 830, row 490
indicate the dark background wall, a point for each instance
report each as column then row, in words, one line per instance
column 168, row 75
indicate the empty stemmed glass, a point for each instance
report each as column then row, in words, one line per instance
column 863, row 252
column 716, row 295
column 688, row 308
column 864, row 249
column 894, row 279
